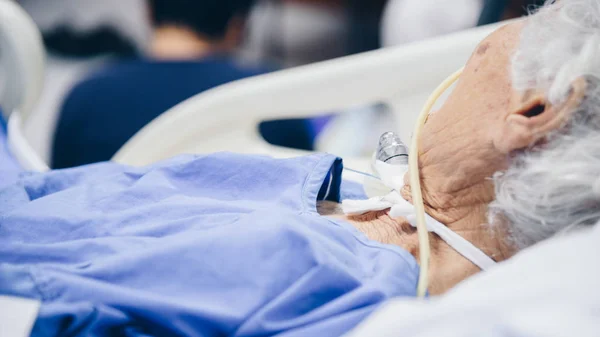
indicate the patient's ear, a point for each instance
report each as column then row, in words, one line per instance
column 534, row 118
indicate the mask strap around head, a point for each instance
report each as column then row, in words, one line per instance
column 461, row 245
column 391, row 178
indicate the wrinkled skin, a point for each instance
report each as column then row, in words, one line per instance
column 463, row 144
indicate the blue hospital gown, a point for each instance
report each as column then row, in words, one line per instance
column 215, row 245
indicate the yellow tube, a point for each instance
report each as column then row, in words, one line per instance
column 415, row 182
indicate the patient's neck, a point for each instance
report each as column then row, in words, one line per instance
column 456, row 192
column 457, row 189
column 179, row 43
column 447, row 267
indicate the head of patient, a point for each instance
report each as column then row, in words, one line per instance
column 513, row 155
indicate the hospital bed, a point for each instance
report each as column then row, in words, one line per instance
column 22, row 59
column 225, row 119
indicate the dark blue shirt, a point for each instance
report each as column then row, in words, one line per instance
column 104, row 111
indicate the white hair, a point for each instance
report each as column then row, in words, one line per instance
column 550, row 189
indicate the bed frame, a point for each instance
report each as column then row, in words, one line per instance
column 226, row 118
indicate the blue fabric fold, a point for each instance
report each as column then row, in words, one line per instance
column 215, row 245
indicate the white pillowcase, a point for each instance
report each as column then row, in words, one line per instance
column 551, row 289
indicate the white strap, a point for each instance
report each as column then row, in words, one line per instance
column 402, row 208
column 392, row 177
column 458, row 243
column 357, row 207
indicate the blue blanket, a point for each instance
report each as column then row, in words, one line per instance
column 217, row 245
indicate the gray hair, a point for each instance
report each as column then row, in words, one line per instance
column 550, row 190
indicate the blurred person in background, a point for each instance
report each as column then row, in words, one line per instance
column 298, row 32
column 192, row 49
column 413, row 20
column 364, row 20
column 88, row 28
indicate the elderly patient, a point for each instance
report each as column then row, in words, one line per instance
column 234, row 245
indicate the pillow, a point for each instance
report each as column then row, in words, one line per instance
column 550, row 289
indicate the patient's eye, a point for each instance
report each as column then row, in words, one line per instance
column 535, row 110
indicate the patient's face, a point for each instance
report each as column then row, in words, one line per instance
column 462, row 145
column 482, row 125
column 483, row 98
column 459, row 145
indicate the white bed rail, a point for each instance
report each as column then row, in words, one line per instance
column 22, row 59
column 22, row 56
column 226, row 118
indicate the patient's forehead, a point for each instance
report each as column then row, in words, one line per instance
column 494, row 53
column 485, row 87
